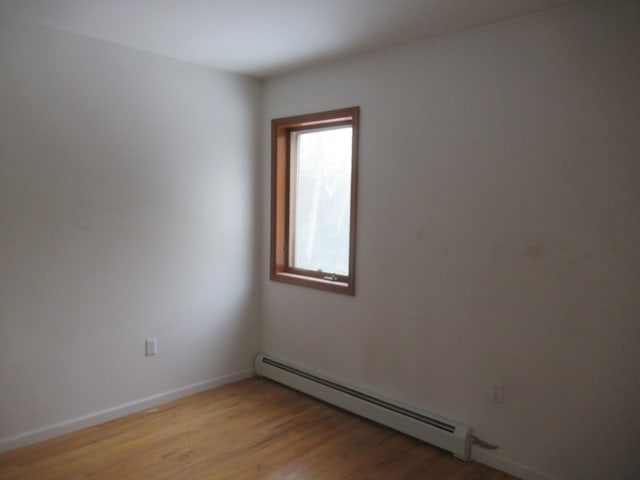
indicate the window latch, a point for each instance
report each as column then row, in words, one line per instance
column 331, row 278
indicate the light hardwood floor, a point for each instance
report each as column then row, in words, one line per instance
column 254, row 429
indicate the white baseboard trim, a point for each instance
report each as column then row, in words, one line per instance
column 50, row 431
column 508, row 466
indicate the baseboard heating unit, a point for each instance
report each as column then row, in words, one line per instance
column 426, row 426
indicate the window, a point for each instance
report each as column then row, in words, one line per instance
column 313, row 199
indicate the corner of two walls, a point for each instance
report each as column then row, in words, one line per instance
column 498, row 225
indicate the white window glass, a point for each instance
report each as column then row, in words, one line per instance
column 321, row 194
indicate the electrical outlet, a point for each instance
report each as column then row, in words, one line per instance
column 496, row 393
column 150, row 346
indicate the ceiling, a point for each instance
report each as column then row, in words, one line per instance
column 262, row 38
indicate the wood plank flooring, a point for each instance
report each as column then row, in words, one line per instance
column 254, row 429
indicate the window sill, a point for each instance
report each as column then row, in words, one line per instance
column 311, row 282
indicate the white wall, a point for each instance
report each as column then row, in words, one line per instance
column 127, row 210
column 498, row 234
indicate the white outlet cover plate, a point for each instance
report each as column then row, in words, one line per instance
column 151, row 346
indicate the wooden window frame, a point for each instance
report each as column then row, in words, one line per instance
column 281, row 129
